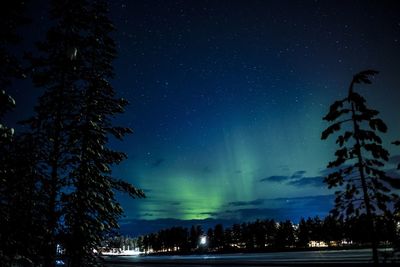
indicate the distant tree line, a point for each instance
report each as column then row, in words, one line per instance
column 263, row 235
column 57, row 188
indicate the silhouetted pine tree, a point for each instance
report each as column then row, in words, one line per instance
column 259, row 234
column 210, row 238
column 332, row 230
column 194, row 236
column 247, row 235
column 91, row 210
column 219, row 239
column 58, row 71
column 317, row 229
column 285, row 235
column 271, row 229
column 24, row 229
column 236, row 234
column 357, row 167
column 7, row 103
column 11, row 18
column 303, row 234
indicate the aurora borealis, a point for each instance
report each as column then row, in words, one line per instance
column 227, row 100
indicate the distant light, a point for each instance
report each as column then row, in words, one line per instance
column 203, row 240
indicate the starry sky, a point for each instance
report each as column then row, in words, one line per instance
column 227, row 100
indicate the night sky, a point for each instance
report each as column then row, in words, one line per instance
column 227, row 100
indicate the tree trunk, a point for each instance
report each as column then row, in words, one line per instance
column 371, row 232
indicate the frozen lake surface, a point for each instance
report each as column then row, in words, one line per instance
column 359, row 257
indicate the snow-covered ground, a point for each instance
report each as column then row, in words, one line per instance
column 122, row 253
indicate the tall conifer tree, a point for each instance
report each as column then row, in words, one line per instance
column 11, row 18
column 91, row 209
column 58, row 72
column 357, row 169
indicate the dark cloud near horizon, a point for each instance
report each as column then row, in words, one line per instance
column 390, row 171
column 289, row 208
column 214, row 214
column 286, row 208
column 255, row 202
column 298, row 174
column 274, row 178
column 296, row 179
column 311, row 181
column 147, row 214
column 254, row 213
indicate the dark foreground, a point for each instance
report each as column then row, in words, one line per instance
column 359, row 257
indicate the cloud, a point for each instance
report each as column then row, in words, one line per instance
column 327, row 171
column 389, row 170
column 255, row 202
column 158, row 210
column 147, row 214
column 213, row 214
column 292, row 208
column 297, row 174
column 261, row 213
column 296, row 179
column 275, row 178
column 305, row 181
